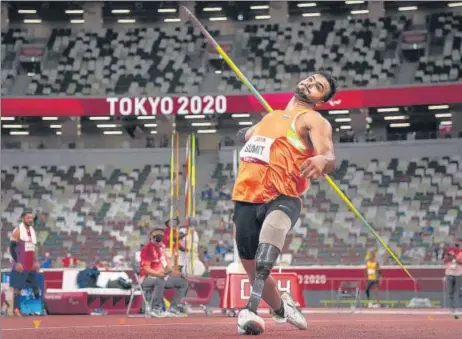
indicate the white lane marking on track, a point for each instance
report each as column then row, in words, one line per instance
column 132, row 325
column 230, row 322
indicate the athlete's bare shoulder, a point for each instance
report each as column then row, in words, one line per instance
column 15, row 234
column 313, row 119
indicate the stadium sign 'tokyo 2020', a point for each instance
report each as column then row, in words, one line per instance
column 222, row 104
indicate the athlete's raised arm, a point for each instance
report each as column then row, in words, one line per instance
column 320, row 136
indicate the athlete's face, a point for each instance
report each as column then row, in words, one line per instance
column 313, row 89
column 28, row 219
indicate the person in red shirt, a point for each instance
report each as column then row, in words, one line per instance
column 69, row 261
column 156, row 275
column 25, row 266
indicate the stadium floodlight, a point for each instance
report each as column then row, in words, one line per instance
column 311, row 14
column 206, row 131
column 201, row 124
column 27, row 11
column 19, row 133
column 172, row 20
column 388, row 109
column 126, row 21
column 77, row 21
column 55, row 126
column 50, row 118
column 342, row 119
column 166, row 10
column 395, row 117
column 433, row 107
column 400, row 125
column 106, row 126
column 7, row 119
column 150, row 125
column 218, row 18
column 446, row 123
column 12, row 126
column 99, row 118
column 360, row 11
column 345, row 127
column 443, row 115
column 212, row 9
column 146, row 117
column 407, row 8
column 32, row 21
column 306, row 4
column 194, row 116
column 353, row 2
column 245, row 123
column 259, row 7
column 455, row 4
column 262, row 17
column 112, row 132
column 339, row 111
column 120, row 11
column 240, row 115
column 73, row 11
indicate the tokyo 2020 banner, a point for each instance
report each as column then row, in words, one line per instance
column 224, row 104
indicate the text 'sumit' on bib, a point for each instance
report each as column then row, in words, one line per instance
column 257, row 150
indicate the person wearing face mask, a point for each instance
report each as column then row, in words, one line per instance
column 156, row 275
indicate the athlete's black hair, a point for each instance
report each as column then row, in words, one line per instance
column 332, row 83
column 23, row 214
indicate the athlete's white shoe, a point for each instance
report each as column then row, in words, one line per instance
column 292, row 314
column 249, row 322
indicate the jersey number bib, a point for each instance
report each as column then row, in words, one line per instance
column 257, row 150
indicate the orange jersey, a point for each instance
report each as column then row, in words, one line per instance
column 270, row 160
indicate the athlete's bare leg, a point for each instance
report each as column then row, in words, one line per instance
column 270, row 294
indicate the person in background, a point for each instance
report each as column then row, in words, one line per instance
column 156, row 275
column 453, row 261
column 46, row 262
column 69, row 261
column 22, row 249
column 373, row 278
column 427, row 230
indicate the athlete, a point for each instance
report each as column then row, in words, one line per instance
column 22, row 249
column 282, row 153
column 373, row 276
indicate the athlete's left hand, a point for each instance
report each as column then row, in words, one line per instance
column 313, row 168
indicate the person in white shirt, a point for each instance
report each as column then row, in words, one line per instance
column 453, row 261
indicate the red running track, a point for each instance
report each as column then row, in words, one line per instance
column 321, row 326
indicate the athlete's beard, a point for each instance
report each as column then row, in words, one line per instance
column 301, row 96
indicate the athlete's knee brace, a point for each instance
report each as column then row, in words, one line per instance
column 266, row 257
column 275, row 228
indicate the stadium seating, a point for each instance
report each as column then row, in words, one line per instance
column 444, row 60
column 395, row 197
column 136, row 61
column 104, row 209
column 11, row 40
column 172, row 59
column 357, row 52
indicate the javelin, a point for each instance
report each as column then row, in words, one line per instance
column 265, row 104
